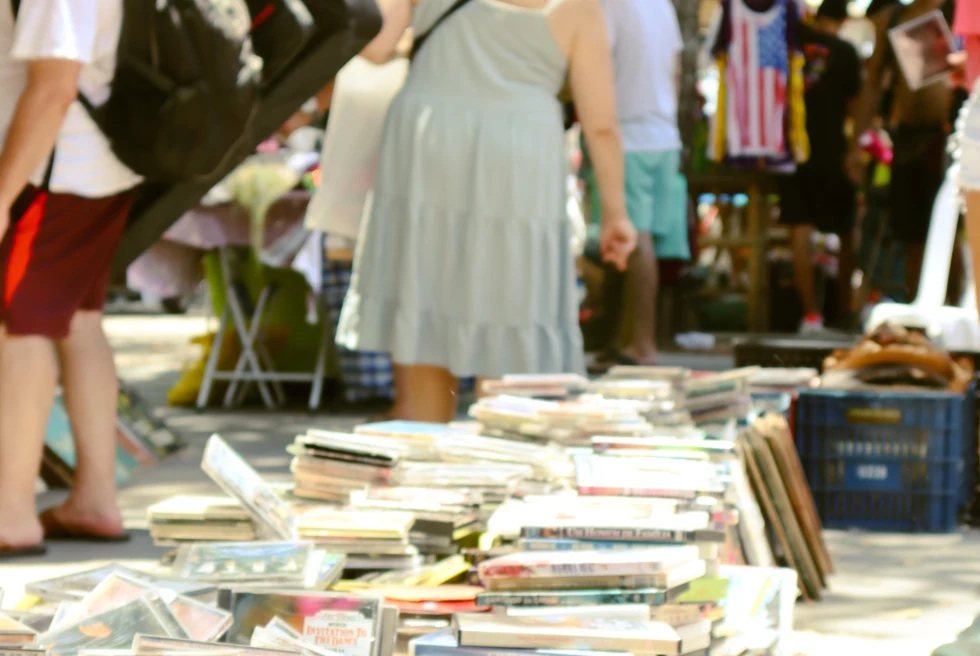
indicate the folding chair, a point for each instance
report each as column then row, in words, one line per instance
column 255, row 365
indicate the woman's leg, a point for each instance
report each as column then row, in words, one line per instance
column 425, row 393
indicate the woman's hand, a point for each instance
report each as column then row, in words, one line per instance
column 617, row 240
column 957, row 73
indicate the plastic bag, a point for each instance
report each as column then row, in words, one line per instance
column 362, row 94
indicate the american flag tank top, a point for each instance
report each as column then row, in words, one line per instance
column 757, row 78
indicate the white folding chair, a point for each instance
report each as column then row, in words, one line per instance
column 255, row 365
column 958, row 327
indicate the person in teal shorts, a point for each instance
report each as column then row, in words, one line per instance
column 646, row 41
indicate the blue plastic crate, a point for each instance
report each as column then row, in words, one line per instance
column 888, row 461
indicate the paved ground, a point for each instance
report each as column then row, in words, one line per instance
column 895, row 594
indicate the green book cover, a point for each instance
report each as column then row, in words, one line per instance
column 705, row 590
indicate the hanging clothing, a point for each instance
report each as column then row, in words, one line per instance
column 760, row 114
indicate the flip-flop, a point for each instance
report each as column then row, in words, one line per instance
column 611, row 359
column 63, row 535
column 14, row 553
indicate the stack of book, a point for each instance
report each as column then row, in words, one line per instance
column 559, row 386
column 571, row 423
column 666, row 404
column 549, row 463
column 774, row 389
column 652, row 576
column 181, row 519
column 490, row 633
column 444, row 519
column 715, row 399
column 329, row 466
column 490, row 483
column 371, row 540
column 647, row 475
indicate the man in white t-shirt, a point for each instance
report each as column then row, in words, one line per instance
column 61, row 217
column 647, row 43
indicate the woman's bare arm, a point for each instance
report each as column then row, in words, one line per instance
column 594, row 94
column 397, row 15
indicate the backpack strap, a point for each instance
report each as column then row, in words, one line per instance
column 15, row 7
column 421, row 38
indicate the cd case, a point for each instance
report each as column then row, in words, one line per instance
column 237, row 478
column 922, row 47
column 341, row 623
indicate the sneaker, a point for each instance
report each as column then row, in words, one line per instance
column 812, row 323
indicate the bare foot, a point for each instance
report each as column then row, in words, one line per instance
column 69, row 521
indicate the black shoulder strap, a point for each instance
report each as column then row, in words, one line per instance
column 421, row 38
column 15, row 7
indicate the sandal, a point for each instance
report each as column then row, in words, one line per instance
column 15, row 553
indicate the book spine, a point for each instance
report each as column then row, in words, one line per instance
column 594, row 598
column 646, row 535
column 444, row 650
column 492, row 570
column 530, row 544
column 593, row 491
column 565, row 583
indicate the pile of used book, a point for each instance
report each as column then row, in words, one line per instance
column 570, row 516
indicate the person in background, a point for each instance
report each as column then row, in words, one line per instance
column 878, row 6
column 967, row 26
column 822, row 193
column 464, row 264
column 64, row 201
column 646, row 44
column 919, row 124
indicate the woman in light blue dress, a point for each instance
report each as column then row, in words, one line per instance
column 464, row 264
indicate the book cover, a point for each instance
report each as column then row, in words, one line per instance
column 675, row 576
column 653, row 560
column 622, row 534
column 238, row 479
column 575, row 633
column 341, row 623
column 444, row 643
column 648, row 596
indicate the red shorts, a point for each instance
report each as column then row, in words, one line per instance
column 56, row 259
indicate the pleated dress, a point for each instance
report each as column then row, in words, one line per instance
column 464, row 258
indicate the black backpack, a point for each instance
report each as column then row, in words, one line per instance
column 186, row 88
column 281, row 30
